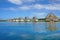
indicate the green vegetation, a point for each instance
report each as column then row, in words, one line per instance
column 3, row 20
column 41, row 20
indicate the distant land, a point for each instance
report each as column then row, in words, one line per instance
column 49, row 17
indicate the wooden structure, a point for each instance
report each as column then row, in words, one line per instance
column 51, row 17
column 27, row 19
column 35, row 19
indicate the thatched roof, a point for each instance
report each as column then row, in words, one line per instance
column 34, row 17
column 26, row 18
column 51, row 15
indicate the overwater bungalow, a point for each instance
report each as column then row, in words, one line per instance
column 59, row 20
column 20, row 19
column 16, row 20
column 35, row 19
column 51, row 17
column 27, row 19
column 11, row 20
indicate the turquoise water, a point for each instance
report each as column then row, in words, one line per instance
column 29, row 31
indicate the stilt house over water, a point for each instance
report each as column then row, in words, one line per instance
column 51, row 17
column 35, row 19
column 27, row 19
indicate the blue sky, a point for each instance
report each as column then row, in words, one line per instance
column 21, row 8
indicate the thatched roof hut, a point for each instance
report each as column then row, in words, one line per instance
column 27, row 19
column 16, row 20
column 51, row 17
column 20, row 19
column 35, row 19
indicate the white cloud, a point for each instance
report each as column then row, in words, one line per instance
column 40, row 15
column 25, row 7
column 55, row 0
column 10, row 8
column 38, row 6
column 49, row 6
column 29, row 0
column 18, row 8
column 18, row 2
column 52, row 7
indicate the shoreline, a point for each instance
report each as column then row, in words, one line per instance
column 27, row 21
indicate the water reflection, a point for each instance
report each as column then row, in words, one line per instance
column 28, row 30
column 52, row 26
column 39, row 27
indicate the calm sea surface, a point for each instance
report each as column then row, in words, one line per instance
column 29, row 31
